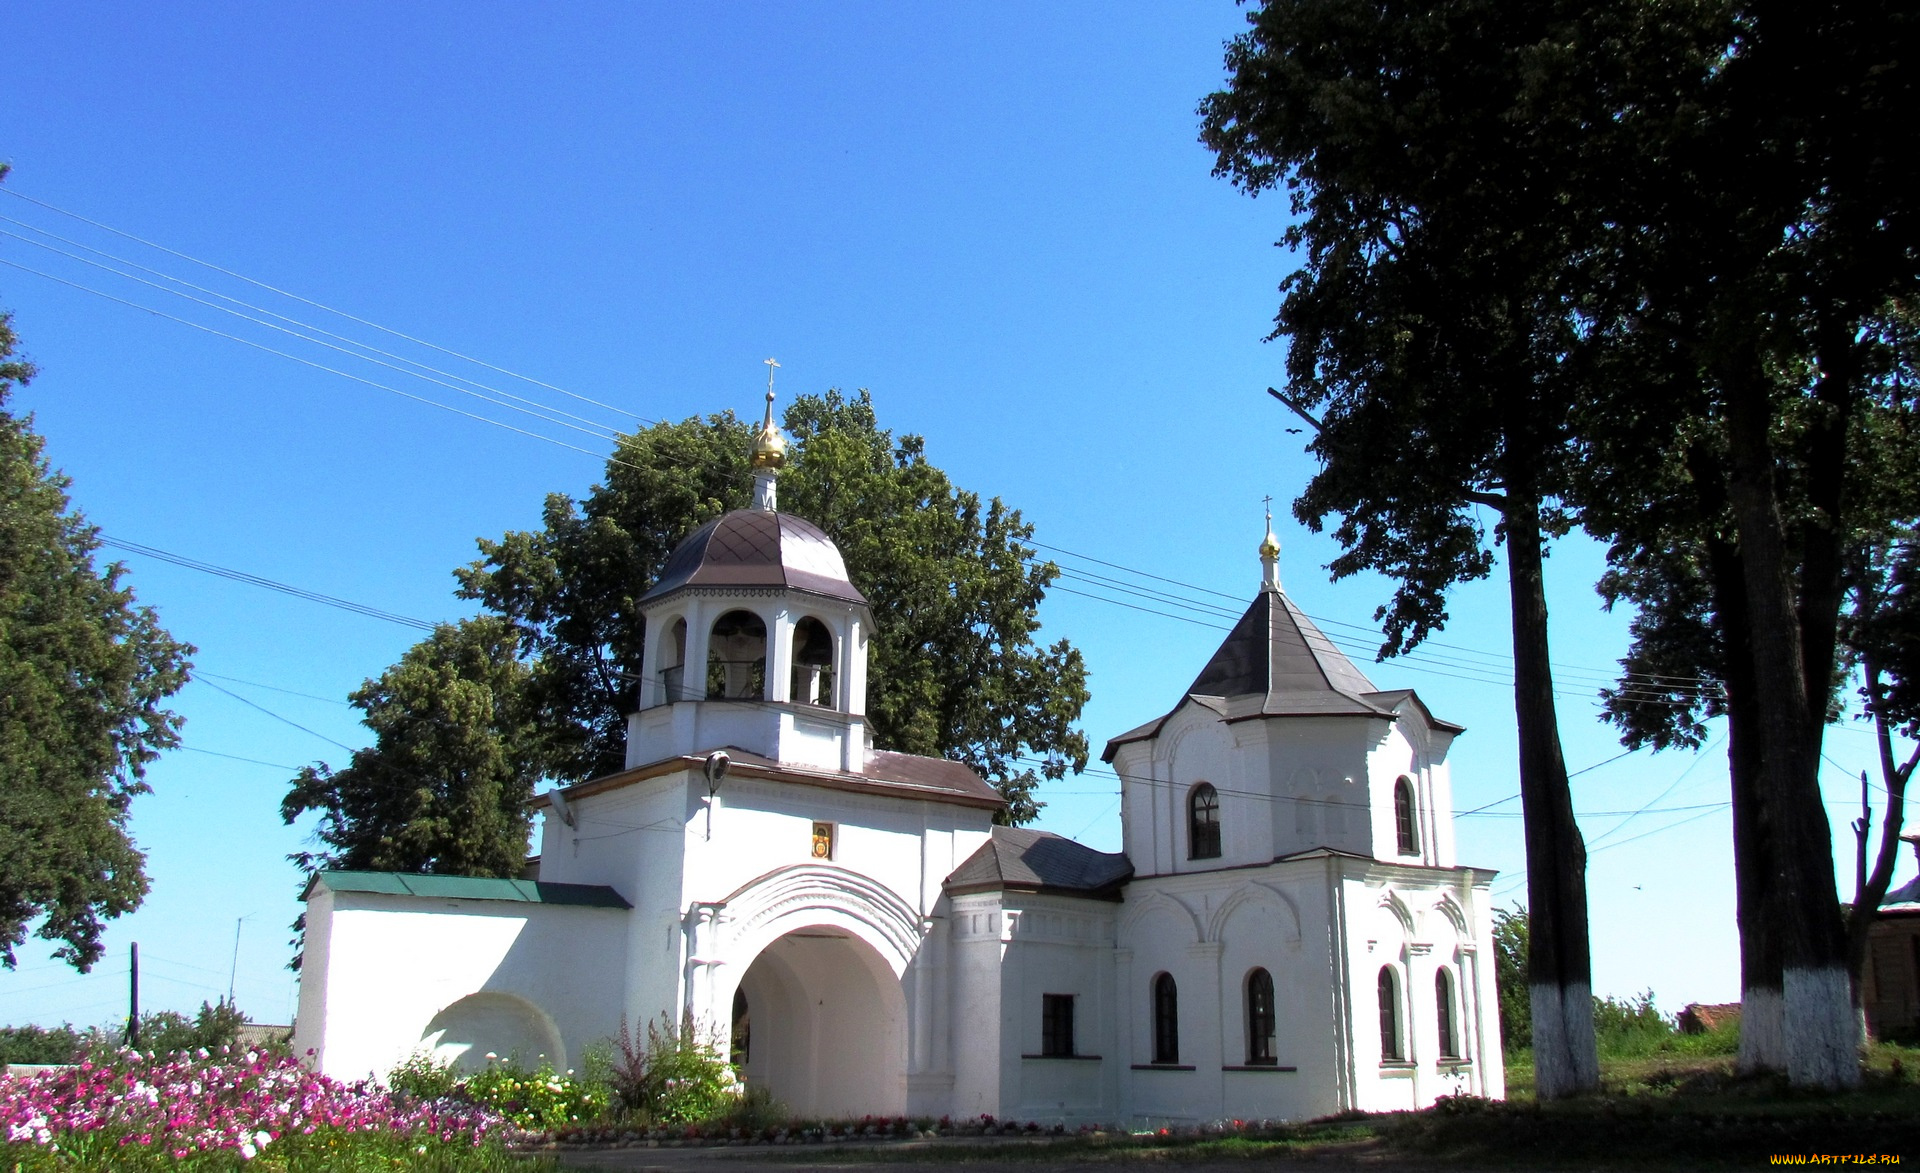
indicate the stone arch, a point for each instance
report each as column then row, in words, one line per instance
column 1395, row 907
column 506, row 1026
column 1456, row 916
column 739, row 644
column 816, row 647
column 1152, row 902
column 817, row 894
column 1251, row 893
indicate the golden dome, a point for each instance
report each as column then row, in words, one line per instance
column 1270, row 547
column 769, row 447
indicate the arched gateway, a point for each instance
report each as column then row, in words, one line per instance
column 805, row 963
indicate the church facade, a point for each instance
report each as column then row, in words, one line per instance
column 1286, row 933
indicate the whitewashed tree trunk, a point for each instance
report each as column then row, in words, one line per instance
column 1565, row 1060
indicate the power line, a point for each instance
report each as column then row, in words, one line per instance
column 270, row 584
column 543, row 413
column 276, row 716
column 309, row 302
column 315, row 365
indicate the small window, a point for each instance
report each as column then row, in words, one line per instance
column 1403, row 820
column 1390, row 1049
column 1166, row 1020
column 1260, row 1019
column 1203, row 822
column 1056, row 1026
column 1443, row 999
column 823, row 840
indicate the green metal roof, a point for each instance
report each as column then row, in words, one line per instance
column 469, row 888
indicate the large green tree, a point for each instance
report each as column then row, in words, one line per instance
column 954, row 667
column 84, row 675
column 1434, row 330
column 458, row 747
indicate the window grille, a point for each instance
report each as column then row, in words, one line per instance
column 1203, row 823
column 1403, row 819
column 1056, row 1025
column 1390, row 1050
column 1260, row 1019
column 1166, row 1020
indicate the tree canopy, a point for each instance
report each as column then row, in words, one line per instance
column 84, row 675
column 457, row 751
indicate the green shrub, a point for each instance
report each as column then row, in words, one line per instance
column 541, row 1100
column 681, row 1076
column 421, row 1078
column 753, row 1110
column 38, row 1044
column 1510, row 937
column 1626, row 1027
column 166, row 1032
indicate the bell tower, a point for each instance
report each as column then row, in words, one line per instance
column 756, row 638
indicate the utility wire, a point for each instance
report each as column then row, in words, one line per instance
column 276, row 716
column 315, row 365
column 256, row 580
column 308, row 301
column 541, row 410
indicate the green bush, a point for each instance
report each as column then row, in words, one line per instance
column 421, row 1078
column 541, row 1100
column 166, row 1032
column 1628, row 1027
column 682, row 1076
column 1510, row 937
column 38, row 1044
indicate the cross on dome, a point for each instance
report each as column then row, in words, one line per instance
column 1269, row 553
column 769, row 452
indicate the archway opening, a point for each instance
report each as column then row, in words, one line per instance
column 737, row 658
column 828, row 1032
column 812, row 663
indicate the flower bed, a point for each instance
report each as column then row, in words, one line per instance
column 241, row 1103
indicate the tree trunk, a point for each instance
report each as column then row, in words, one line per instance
column 1762, row 1047
column 1559, row 964
column 1866, row 900
column 1801, row 903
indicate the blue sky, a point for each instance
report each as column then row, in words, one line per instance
column 997, row 219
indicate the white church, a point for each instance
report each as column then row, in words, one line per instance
column 1286, row 934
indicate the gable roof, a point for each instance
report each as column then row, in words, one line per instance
column 467, row 888
column 1277, row 663
column 1017, row 859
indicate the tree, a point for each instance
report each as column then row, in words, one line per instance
column 458, row 748
column 1764, row 235
column 953, row 667
column 1510, row 951
column 84, row 674
column 1434, row 332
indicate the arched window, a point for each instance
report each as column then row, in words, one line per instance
column 1390, row 1049
column 1166, row 1020
column 1203, row 822
column 1260, row 1051
column 737, row 658
column 1403, row 820
column 1443, row 999
column 812, row 663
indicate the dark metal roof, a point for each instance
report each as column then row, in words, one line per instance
column 468, row 888
column 1020, row 860
column 758, row 547
column 1276, row 663
column 899, row 775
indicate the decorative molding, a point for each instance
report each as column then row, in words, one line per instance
column 800, row 888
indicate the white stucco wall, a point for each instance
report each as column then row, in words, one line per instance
column 380, row 968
